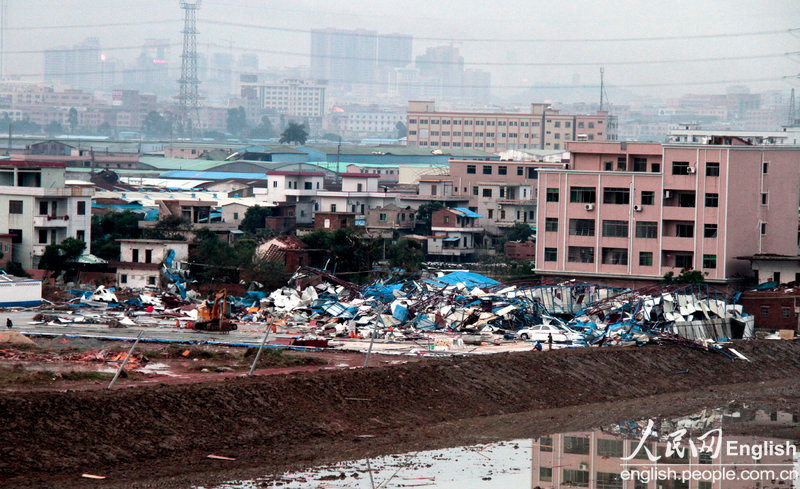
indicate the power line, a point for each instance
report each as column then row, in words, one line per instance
column 466, row 63
column 637, row 85
column 90, row 26
column 511, row 40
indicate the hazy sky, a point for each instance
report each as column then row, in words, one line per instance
column 491, row 21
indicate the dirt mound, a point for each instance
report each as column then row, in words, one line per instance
column 51, row 433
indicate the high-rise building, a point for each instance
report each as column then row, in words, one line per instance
column 394, row 51
column 151, row 73
column 77, row 67
column 446, row 64
column 477, row 86
column 344, row 57
column 248, row 62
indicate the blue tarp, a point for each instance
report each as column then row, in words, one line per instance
column 468, row 278
column 467, row 212
column 766, row 286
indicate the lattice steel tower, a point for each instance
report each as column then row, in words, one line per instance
column 189, row 97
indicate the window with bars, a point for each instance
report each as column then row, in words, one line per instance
column 616, row 195
column 581, row 227
column 580, row 254
column 615, row 229
column 646, row 229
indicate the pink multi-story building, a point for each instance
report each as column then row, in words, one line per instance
column 639, row 210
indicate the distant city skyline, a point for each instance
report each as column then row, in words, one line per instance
column 482, row 32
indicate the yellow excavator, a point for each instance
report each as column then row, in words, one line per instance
column 212, row 317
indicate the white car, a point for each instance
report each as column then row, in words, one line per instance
column 542, row 331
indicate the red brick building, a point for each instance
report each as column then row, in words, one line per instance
column 331, row 221
column 773, row 309
column 520, row 250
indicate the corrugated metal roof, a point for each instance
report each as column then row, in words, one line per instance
column 213, row 175
column 178, row 163
column 381, row 150
column 467, row 212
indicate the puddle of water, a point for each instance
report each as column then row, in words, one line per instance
column 589, row 459
column 157, row 369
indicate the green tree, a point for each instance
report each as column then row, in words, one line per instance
column 263, row 130
column 346, row 249
column 406, row 254
column 213, row 260
column 72, row 119
column 15, row 268
column 294, row 133
column 54, row 128
column 62, row 257
column 401, row 130
column 107, row 229
column 104, row 129
column 215, row 135
column 519, row 232
column 424, row 214
column 169, row 227
column 5, row 122
column 271, row 274
column 237, row 121
column 157, row 125
column 686, row 277
column 255, row 219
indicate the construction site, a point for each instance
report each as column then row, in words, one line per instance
column 208, row 389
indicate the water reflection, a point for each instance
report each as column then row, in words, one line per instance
column 589, row 459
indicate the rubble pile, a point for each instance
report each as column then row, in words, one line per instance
column 442, row 309
column 693, row 312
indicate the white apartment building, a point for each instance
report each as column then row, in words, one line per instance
column 293, row 187
column 290, row 97
column 142, row 259
column 359, row 194
column 38, row 209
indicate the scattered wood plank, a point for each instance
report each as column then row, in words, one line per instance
column 93, row 476
column 220, row 457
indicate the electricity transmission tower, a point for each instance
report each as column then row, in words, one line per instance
column 189, row 97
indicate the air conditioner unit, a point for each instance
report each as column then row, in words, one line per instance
column 667, row 194
column 637, row 208
column 589, row 207
column 691, row 170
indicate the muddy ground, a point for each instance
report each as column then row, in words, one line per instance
column 61, row 363
column 161, row 436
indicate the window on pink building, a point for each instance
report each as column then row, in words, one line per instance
column 615, row 256
column 615, row 229
column 616, row 195
column 645, row 258
column 710, row 261
column 646, row 229
column 710, row 231
column 586, row 195
column 581, row 227
column 550, row 254
column 580, row 254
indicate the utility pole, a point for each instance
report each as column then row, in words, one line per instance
column 338, row 156
column 3, row 26
column 602, row 87
column 3, row 23
column 189, row 96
